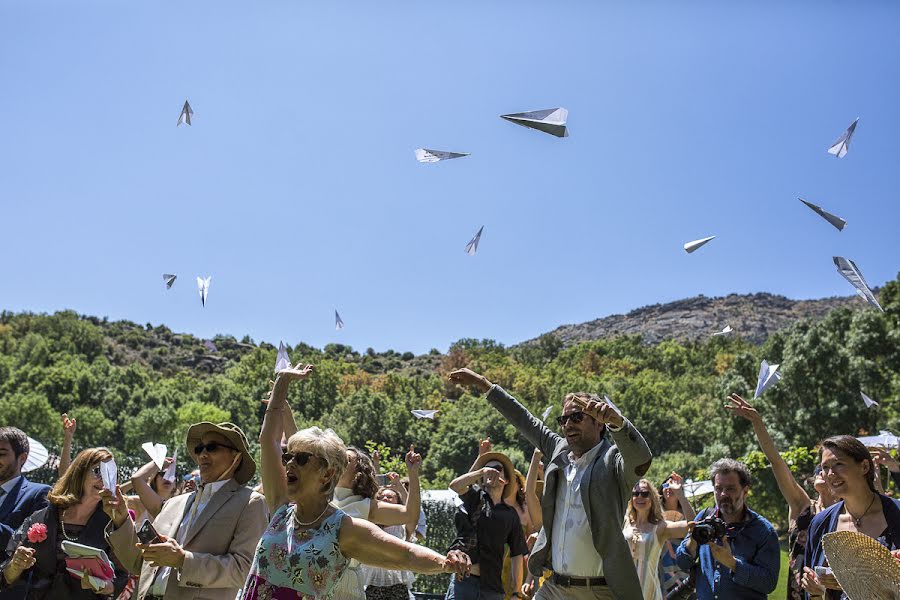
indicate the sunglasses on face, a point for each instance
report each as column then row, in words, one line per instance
column 641, row 493
column 301, row 458
column 211, row 447
column 95, row 471
column 575, row 417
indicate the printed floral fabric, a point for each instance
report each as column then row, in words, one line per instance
column 292, row 564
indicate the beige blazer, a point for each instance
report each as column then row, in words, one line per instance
column 220, row 544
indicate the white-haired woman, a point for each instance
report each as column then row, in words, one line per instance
column 646, row 530
column 308, row 543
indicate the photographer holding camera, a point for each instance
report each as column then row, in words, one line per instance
column 738, row 549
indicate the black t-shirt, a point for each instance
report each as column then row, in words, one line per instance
column 483, row 529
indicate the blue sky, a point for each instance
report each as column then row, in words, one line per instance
column 297, row 190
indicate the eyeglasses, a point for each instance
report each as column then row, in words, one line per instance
column 641, row 493
column 576, row 417
column 211, row 447
column 301, row 458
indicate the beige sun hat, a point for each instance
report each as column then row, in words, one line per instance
column 509, row 471
column 234, row 435
column 864, row 568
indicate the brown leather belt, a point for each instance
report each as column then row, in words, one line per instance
column 566, row 581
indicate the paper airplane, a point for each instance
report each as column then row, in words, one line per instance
column 210, row 346
column 840, row 147
column 282, row 361
column 546, row 413
column 724, row 331
column 203, row 287
column 869, row 402
column 692, row 246
column 550, row 120
column 169, row 473
column 338, row 323
column 186, row 113
column 833, row 219
column 851, row 273
column 610, row 402
column 157, row 453
column 170, row 280
column 424, row 155
column 425, row 414
column 472, row 246
column 768, row 376
column 108, row 475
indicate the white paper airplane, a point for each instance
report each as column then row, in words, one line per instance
column 610, row 402
column 869, row 402
column 472, row 246
column 109, row 475
column 727, row 329
column 157, row 453
column 768, row 376
column 546, row 413
column 186, row 113
column 282, row 361
column 425, row 414
column 851, row 273
column 835, row 220
column 840, row 147
column 696, row 244
column 338, row 322
column 209, row 345
column 169, row 474
column 170, row 280
column 424, row 155
column 550, row 120
column 203, row 287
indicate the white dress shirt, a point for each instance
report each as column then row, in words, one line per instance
column 572, row 545
column 194, row 508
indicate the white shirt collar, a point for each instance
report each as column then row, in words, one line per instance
column 586, row 457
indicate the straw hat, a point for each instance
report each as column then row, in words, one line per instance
column 864, row 568
column 235, row 437
column 509, row 471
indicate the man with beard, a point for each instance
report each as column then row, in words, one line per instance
column 744, row 562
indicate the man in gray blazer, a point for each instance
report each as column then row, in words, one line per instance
column 208, row 536
column 587, row 485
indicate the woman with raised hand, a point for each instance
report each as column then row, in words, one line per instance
column 801, row 508
column 309, row 542
column 646, row 530
column 75, row 514
column 389, row 584
column 65, row 455
column 152, row 489
column 675, row 507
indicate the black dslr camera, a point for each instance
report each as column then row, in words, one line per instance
column 708, row 529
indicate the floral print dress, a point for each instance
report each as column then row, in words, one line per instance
column 296, row 564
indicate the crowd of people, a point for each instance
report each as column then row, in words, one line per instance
column 325, row 522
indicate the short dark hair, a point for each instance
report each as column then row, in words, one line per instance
column 724, row 466
column 16, row 439
column 855, row 449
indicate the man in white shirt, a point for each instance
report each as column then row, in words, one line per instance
column 587, row 485
column 207, row 537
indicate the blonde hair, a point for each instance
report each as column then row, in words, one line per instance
column 656, row 513
column 69, row 489
column 326, row 445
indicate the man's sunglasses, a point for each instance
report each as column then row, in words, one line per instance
column 211, row 447
column 301, row 458
column 641, row 493
column 576, row 417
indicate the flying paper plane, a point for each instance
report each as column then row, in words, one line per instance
column 425, row 414
column 424, row 155
column 840, row 147
column 833, row 219
column 338, row 323
column 157, row 453
column 724, row 331
column 282, row 361
column 170, row 280
column 203, row 287
column 851, row 273
column 209, row 345
column 768, row 376
column 546, row 413
column 186, row 113
column 550, row 120
column 169, row 474
column 108, row 475
column 869, row 402
column 472, row 246
column 696, row 244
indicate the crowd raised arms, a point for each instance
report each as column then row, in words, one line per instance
column 325, row 522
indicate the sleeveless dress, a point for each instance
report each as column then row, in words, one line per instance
column 292, row 564
column 645, row 550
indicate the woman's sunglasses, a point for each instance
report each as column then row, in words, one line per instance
column 641, row 493
column 95, row 471
column 575, row 417
column 211, row 447
column 301, row 458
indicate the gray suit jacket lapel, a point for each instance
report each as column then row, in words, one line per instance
column 214, row 504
